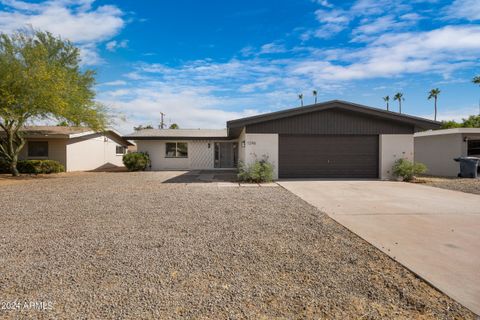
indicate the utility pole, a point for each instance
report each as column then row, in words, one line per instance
column 162, row 123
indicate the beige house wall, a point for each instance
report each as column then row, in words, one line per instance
column 438, row 151
column 391, row 148
column 259, row 146
column 56, row 150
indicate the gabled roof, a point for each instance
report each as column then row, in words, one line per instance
column 448, row 131
column 416, row 121
column 187, row 134
column 54, row 130
column 65, row 132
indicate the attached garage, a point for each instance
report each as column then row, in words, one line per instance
column 323, row 156
column 334, row 139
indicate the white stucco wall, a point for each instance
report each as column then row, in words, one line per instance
column 92, row 152
column 200, row 155
column 241, row 150
column 56, row 150
column 393, row 147
column 438, row 151
column 258, row 145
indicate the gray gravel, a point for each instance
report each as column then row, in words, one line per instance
column 124, row 245
column 457, row 184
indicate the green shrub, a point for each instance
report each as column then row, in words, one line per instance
column 259, row 171
column 136, row 161
column 407, row 170
column 40, row 166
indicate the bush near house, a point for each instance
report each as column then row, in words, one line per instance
column 259, row 171
column 39, row 166
column 136, row 161
column 407, row 170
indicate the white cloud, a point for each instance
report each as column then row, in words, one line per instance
column 114, row 45
column 324, row 3
column 464, row 9
column 332, row 22
column 272, row 48
column 440, row 51
column 190, row 107
column 114, row 83
column 75, row 20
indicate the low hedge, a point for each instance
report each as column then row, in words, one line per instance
column 40, row 166
column 136, row 161
column 33, row 166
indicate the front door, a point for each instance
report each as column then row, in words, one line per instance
column 226, row 154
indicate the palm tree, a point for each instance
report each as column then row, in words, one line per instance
column 399, row 96
column 387, row 99
column 300, row 96
column 315, row 93
column 476, row 80
column 434, row 94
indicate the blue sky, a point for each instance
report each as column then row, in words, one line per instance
column 205, row 62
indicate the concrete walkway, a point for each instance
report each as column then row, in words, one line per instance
column 433, row 232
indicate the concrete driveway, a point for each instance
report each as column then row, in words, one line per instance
column 433, row 232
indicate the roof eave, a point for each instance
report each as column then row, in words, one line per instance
column 418, row 122
column 173, row 138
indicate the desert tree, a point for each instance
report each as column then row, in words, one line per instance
column 41, row 79
column 315, row 94
column 433, row 94
column 174, row 126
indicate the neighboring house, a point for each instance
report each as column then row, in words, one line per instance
column 437, row 149
column 334, row 139
column 77, row 148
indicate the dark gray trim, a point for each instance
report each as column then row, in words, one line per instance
column 332, row 121
column 418, row 122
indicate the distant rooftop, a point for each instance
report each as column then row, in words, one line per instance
column 163, row 134
column 447, row 131
column 60, row 132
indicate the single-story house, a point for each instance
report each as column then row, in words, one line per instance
column 77, row 148
column 334, row 139
column 437, row 149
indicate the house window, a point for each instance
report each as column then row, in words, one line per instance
column 176, row 150
column 120, row 150
column 474, row 148
column 38, row 149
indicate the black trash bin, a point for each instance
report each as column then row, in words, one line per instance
column 468, row 166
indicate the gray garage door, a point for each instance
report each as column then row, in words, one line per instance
column 319, row 156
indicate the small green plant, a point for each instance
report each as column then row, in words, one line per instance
column 40, row 166
column 258, row 171
column 407, row 170
column 136, row 161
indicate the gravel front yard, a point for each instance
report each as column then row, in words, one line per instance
column 458, row 184
column 124, row 245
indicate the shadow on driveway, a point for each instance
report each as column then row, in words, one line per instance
column 205, row 176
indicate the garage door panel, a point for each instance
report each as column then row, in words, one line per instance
column 328, row 156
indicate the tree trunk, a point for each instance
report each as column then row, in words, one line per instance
column 435, row 108
column 399, row 106
column 11, row 146
column 388, row 107
column 13, row 168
